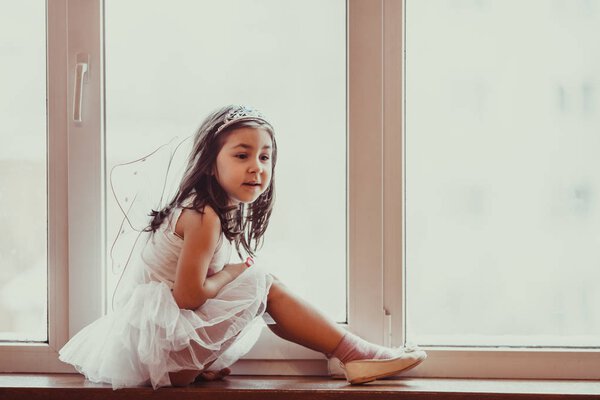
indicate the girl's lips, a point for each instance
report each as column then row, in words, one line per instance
column 251, row 186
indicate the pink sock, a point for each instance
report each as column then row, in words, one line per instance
column 352, row 347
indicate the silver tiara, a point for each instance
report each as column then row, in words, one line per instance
column 242, row 113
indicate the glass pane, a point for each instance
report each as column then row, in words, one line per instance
column 196, row 56
column 23, row 215
column 502, row 172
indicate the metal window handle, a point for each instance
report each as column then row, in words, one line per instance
column 81, row 69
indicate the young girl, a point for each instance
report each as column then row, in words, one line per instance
column 189, row 314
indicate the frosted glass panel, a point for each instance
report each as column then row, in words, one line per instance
column 168, row 64
column 503, row 172
column 23, row 215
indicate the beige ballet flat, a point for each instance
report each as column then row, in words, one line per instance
column 363, row 371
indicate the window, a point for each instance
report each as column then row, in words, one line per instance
column 500, row 211
column 264, row 57
column 23, row 247
column 377, row 111
column 500, row 205
column 78, row 34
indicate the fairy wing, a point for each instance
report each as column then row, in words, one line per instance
column 139, row 186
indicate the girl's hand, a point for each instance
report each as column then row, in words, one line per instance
column 214, row 283
column 235, row 270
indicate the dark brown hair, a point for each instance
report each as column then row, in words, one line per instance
column 244, row 227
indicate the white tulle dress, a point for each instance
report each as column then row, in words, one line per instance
column 147, row 335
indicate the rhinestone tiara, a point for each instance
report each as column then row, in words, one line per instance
column 242, row 113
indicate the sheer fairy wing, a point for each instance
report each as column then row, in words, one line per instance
column 139, row 186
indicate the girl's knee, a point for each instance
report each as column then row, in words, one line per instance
column 277, row 289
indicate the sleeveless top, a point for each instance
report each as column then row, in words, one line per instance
column 162, row 252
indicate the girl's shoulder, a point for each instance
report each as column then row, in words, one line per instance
column 188, row 207
column 193, row 222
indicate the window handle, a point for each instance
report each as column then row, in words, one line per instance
column 81, row 69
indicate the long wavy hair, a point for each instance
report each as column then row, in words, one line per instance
column 244, row 225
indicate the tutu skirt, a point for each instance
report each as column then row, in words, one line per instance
column 149, row 336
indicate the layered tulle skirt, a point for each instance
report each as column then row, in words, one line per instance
column 149, row 336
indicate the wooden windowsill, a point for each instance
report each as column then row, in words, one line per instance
column 73, row 386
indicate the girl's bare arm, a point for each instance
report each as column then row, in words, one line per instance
column 201, row 234
column 214, row 283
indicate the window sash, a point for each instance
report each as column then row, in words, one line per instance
column 76, row 258
column 42, row 357
column 444, row 362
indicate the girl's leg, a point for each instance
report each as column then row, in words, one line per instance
column 300, row 322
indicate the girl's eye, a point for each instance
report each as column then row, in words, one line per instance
column 241, row 156
column 265, row 158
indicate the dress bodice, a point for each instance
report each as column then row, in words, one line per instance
column 162, row 252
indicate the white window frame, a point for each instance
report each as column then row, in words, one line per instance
column 445, row 362
column 375, row 222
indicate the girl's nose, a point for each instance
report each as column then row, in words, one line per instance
column 255, row 167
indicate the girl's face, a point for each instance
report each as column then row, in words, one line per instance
column 243, row 166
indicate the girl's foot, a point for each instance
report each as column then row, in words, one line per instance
column 365, row 362
column 212, row 375
column 368, row 370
